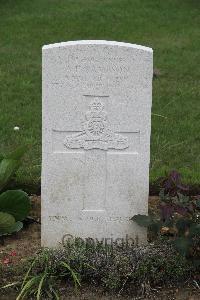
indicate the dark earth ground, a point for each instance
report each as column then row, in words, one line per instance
column 27, row 242
column 89, row 293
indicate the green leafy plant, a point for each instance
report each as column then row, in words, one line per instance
column 14, row 204
column 14, row 207
column 43, row 277
column 118, row 268
column 9, row 164
column 178, row 217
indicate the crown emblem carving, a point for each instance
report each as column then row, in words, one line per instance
column 96, row 133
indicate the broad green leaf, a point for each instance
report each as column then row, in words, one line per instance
column 143, row 220
column 16, row 227
column 7, row 169
column 16, row 203
column 6, row 222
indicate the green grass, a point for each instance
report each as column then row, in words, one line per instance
column 170, row 27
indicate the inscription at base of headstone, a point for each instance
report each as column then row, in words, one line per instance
column 96, row 140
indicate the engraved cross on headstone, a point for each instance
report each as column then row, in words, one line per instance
column 98, row 142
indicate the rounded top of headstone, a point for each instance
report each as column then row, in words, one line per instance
column 97, row 42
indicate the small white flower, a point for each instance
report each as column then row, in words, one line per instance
column 16, row 128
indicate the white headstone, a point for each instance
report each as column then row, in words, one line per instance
column 96, row 139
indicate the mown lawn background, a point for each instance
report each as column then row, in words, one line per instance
column 170, row 27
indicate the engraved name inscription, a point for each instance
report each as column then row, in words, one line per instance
column 100, row 219
column 96, row 133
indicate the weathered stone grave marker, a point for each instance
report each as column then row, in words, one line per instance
column 96, row 139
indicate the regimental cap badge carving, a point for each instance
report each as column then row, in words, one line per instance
column 96, row 133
